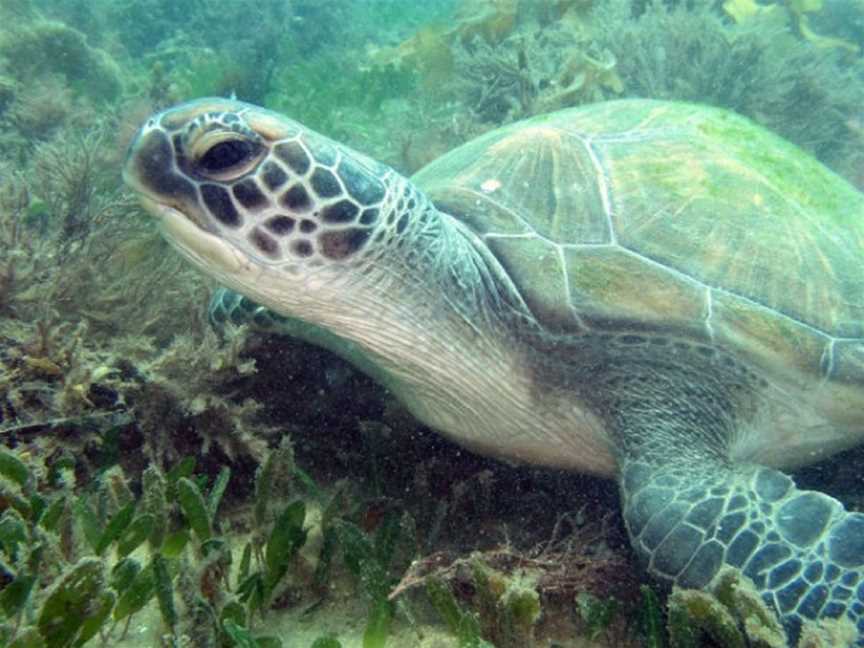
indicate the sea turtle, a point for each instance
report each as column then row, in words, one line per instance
column 663, row 293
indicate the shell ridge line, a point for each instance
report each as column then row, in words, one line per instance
column 602, row 185
column 719, row 289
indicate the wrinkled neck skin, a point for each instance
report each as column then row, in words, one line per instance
column 420, row 308
column 434, row 308
column 433, row 322
column 431, row 315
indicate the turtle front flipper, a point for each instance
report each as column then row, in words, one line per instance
column 802, row 550
column 678, row 419
column 229, row 306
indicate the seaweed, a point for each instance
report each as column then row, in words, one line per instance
column 38, row 47
column 530, row 74
column 734, row 614
column 71, row 184
column 509, row 606
column 799, row 11
column 512, row 599
column 597, row 614
column 91, row 305
column 462, row 624
column 501, row 66
column 651, row 618
column 369, row 560
column 37, row 111
column 102, row 581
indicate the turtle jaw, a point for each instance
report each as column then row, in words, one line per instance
column 158, row 208
column 205, row 250
column 190, row 234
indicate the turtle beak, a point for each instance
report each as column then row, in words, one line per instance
column 165, row 195
column 153, row 207
column 131, row 180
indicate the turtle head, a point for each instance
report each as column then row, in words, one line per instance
column 350, row 251
column 251, row 196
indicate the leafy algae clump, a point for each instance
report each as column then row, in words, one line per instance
column 734, row 615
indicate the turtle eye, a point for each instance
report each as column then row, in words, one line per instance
column 225, row 155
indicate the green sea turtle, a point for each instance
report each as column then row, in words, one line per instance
column 662, row 293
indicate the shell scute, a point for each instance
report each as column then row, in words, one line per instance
column 602, row 287
column 543, row 280
column 539, row 180
column 771, row 340
column 675, row 216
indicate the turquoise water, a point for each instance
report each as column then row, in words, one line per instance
column 173, row 480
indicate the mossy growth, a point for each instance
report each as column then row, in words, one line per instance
column 694, row 615
column 733, row 615
column 504, row 610
column 826, row 633
column 508, row 605
column 521, row 610
column 47, row 47
column 742, row 599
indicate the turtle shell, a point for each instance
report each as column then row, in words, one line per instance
column 640, row 214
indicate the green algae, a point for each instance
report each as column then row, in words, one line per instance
column 651, row 618
column 45, row 47
column 65, row 613
column 596, row 613
column 462, row 623
column 694, row 615
column 110, row 585
column 732, row 614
